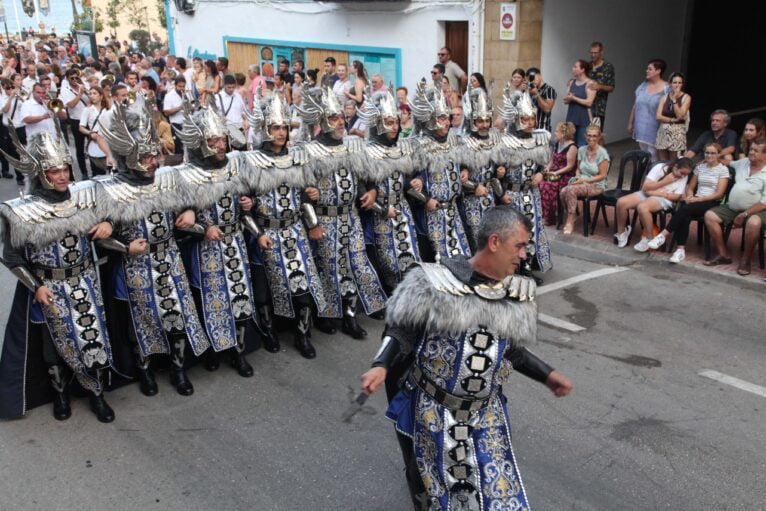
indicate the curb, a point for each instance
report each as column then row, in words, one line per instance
column 579, row 247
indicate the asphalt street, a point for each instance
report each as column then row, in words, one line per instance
column 643, row 428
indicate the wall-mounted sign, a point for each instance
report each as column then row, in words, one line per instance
column 508, row 22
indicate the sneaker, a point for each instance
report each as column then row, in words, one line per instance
column 657, row 241
column 678, row 256
column 622, row 237
column 642, row 246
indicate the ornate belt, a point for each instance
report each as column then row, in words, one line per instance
column 160, row 246
column 332, row 210
column 275, row 223
column 518, row 187
column 461, row 406
column 63, row 273
column 228, row 228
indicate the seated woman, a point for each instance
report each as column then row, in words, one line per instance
column 559, row 171
column 664, row 185
column 590, row 176
column 705, row 190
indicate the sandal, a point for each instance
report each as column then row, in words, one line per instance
column 568, row 229
column 744, row 268
column 718, row 261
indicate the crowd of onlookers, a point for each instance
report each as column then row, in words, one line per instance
column 48, row 77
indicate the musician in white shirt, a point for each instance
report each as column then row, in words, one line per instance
column 230, row 104
column 36, row 115
column 172, row 107
column 75, row 98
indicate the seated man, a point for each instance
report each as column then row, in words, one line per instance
column 746, row 207
column 720, row 133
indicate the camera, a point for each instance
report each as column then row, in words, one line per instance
column 531, row 80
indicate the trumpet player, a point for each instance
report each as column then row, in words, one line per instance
column 36, row 115
column 10, row 104
column 75, row 98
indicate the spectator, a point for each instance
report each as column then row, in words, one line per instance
column 457, row 77
column 297, row 87
column 131, row 80
column 282, row 88
column 97, row 114
column 342, row 85
column 378, row 85
column 705, row 190
column 543, row 95
column 518, row 80
column 456, row 119
column 329, row 77
column 746, row 207
column 401, row 95
column 187, row 73
column 172, row 107
column 560, row 170
column 167, row 142
column 673, row 114
column 212, row 80
column 6, row 93
column 256, row 80
column 450, row 94
column 222, row 65
column 478, row 82
column 664, row 185
column 298, row 66
column 437, row 73
column 643, row 123
column 590, row 177
column 31, row 79
column 718, row 133
column 231, row 105
column 602, row 80
column 241, row 88
column 755, row 129
column 199, row 78
column 149, row 87
column 36, row 115
column 579, row 98
column 284, row 71
column 406, row 120
column 354, row 124
column 360, row 82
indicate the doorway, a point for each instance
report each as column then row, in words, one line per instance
column 456, row 39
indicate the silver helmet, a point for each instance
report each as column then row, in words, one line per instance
column 429, row 104
column 42, row 153
column 133, row 133
column 200, row 126
column 276, row 112
column 318, row 105
column 477, row 104
column 516, row 105
column 378, row 107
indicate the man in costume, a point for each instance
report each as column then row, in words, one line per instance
column 284, row 273
column 57, row 306
column 527, row 155
column 465, row 325
column 479, row 150
column 390, row 160
column 340, row 179
column 219, row 272
column 436, row 191
column 141, row 201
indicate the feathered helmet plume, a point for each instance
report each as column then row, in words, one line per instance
column 477, row 104
column 429, row 104
column 200, row 126
column 133, row 133
column 318, row 105
column 42, row 153
column 379, row 106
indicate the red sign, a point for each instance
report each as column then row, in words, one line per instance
column 507, row 21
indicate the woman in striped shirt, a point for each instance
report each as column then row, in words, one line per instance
column 705, row 190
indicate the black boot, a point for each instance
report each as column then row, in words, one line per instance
column 146, row 381
column 303, row 334
column 212, row 362
column 380, row 315
column 61, row 409
column 326, row 325
column 99, row 406
column 238, row 360
column 270, row 339
column 7, row 175
column 350, row 324
column 178, row 376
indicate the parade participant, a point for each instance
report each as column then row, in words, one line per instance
column 527, row 156
column 57, row 308
column 284, row 273
column 479, row 151
column 150, row 276
column 436, row 190
column 218, row 263
column 339, row 175
column 465, row 324
column 391, row 161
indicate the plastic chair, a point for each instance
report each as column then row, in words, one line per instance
column 640, row 162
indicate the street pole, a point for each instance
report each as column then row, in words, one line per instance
column 18, row 23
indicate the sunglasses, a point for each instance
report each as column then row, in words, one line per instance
column 441, row 54
column 711, row 152
column 434, row 72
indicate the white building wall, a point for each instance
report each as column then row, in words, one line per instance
column 415, row 27
column 632, row 33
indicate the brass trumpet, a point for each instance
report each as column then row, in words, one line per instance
column 55, row 105
column 22, row 94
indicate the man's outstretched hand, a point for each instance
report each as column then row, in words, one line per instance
column 559, row 384
column 373, row 379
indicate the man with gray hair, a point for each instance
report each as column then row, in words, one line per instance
column 718, row 133
column 456, row 330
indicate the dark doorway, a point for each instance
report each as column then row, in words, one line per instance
column 727, row 60
column 456, row 39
